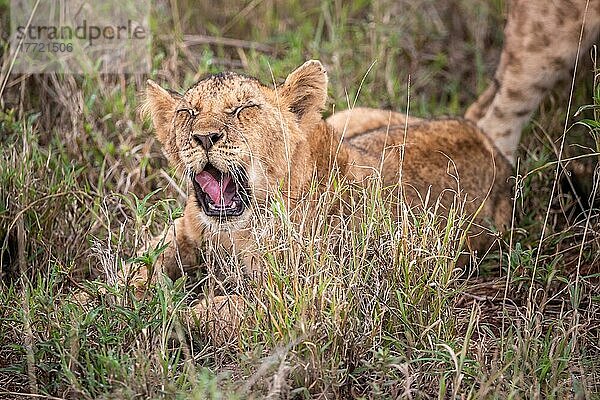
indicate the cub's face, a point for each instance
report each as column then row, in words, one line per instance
column 236, row 140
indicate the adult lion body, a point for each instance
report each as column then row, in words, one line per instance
column 238, row 141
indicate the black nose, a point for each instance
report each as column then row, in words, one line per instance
column 207, row 141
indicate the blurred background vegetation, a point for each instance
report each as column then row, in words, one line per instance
column 77, row 164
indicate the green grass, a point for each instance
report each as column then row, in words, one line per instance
column 368, row 307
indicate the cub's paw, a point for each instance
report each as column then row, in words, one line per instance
column 220, row 316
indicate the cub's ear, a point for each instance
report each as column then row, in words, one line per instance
column 305, row 92
column 160, row 105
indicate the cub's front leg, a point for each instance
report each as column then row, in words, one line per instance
column 183, row 241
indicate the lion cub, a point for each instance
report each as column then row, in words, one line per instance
column 236, row 141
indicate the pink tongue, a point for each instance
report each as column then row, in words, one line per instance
column 219, row 192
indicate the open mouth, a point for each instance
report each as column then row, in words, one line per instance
column 221, row 194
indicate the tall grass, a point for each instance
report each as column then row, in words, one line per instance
column 374, row 302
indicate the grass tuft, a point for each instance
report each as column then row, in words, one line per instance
column 377, row 301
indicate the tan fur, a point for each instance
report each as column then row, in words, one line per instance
column 283, row 143
column 540, row 48
column 362, row 119
column 443, row 157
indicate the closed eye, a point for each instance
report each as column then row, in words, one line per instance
column 236, row 111
column 189, row 115
column 192, row 112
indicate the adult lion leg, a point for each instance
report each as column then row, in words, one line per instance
column 477, row 110
column 537, row 52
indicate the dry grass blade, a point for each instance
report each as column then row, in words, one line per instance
column 366, row 303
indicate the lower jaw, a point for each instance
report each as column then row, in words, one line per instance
column 220, row 214
column 216, row 224
column 225, row 214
